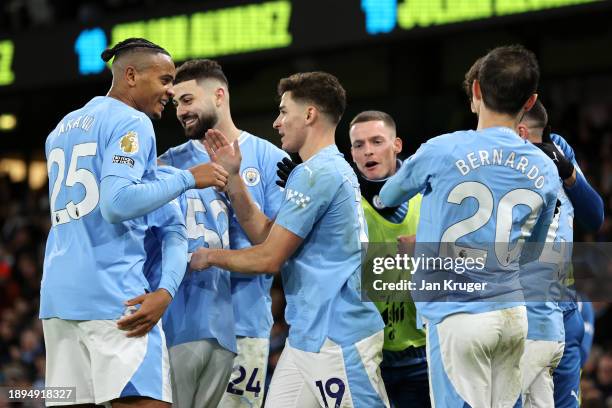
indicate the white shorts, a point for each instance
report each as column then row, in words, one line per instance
column 474, row 359
column 103, row 363
column 200, row 372
column 336, row 376
column 539, row 360
column 246, row 385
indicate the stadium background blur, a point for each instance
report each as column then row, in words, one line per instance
column 413, row 73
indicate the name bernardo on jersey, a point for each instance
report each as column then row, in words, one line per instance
column 497, row 157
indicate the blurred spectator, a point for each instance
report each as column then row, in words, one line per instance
column 603, row 379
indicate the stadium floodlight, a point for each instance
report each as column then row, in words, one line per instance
column 8, row 122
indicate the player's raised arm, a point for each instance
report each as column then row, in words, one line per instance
column 122, row 199
column 588, row 204
column 252, row 220
column 410, row 179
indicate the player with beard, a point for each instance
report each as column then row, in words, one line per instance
column 202, row 102
column 374, row 147
column 99, row 160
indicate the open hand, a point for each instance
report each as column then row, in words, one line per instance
column 222, row 152
column 152, row 307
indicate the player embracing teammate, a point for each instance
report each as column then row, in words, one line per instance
column 485, row 193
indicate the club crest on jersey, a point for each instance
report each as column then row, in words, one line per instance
column 251, row 176
column 129, row 142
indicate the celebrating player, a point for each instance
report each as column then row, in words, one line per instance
column 554, row 339
column 485, row 193
column 335, row 340
column 98, row 157
column 202, row 102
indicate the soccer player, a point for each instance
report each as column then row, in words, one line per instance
column 98, row 157
column 485, row 193
column 199, row 323
column 202, row 102
column 540, row 279
column 564, row 323
column 374, row 148
column 335, row 339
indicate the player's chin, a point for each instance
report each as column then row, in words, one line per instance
column 156, row 114
column 288, row 147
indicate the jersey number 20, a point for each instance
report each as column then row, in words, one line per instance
column 503, row 221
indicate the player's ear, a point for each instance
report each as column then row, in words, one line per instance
column 130, row 75
column 311, row 114
column 530, row 102
column 523, row 131
column 397, row 145
column 219, row 96
column 476, row 94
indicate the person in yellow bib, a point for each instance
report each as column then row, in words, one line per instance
column 375, row 147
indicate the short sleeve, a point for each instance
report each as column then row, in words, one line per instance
column 130, row 150
column 308, row 194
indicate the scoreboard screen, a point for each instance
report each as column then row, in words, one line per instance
column 71, row 53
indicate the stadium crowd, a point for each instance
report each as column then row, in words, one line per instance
column 24, row 223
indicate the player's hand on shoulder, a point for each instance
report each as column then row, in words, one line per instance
column 285, row 167
column 222, row 152
column 199, row 259
column 152, row 307
column 209, row 175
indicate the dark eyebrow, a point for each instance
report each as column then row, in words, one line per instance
column 183, row 96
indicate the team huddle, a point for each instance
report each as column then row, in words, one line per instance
column 158, row 268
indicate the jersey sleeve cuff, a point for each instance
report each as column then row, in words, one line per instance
column 188, row 179
column 292, row 228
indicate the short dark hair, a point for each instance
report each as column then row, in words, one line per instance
column 537, row 114
column 470, row 76
column 319, row 88
column 508, row 76
column 374, row 115
column 131, row 44
column 200, row 70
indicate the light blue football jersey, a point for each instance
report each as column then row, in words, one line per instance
column 202, row 307
column 250, row 294
column 322, row 280
column 566, row 223
column 92, row 267
column 485, row 193
column 543, row 280
column 546, row 318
